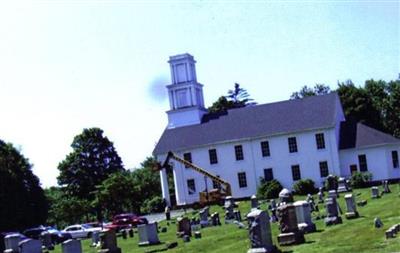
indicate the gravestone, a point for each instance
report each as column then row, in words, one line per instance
column 130, row 232
column 45, row 237
column 71, row 246
column 11, row 241
column 290, row 233
column 310, row 200
column 186, row 238
column 254, row 201
column 215, row 221
column 148, row 234
column 303, row 216
column 343, row 185
column 237, row 215
column 333, row 194
column 95, row 239
column 331, row 183
column 386, row 188
column 197, row 234
column 351, row 208
column 321, row 195
column 272, row 204
column 109, row 242
column 229, row 201
column 229, row 214
column 204, row 217
column 375, row 192
column 167, row 213
column 378, row 223
column 183, row 227
column 285, row 196
column 30, row 246
column 260, row 232
column 332, row 210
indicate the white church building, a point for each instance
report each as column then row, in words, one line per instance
column 287, row 141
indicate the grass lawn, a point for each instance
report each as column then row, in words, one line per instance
column 357, row 235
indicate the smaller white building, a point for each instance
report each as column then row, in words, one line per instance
column 287, row 141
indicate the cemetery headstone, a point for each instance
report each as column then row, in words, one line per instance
column 254, row 201
column 109, row 241
column 46, row 240
column 215, row 221
column 237, row 215
column 186, row 238
column 285, row 196
column 272, row 204
column 303, row 215
column 331, row 183
column 378, row 223
column 167, row 213
column 332, row 210
column 321, row 195
column 30, row 246
column 290, row 233
column 343, row 185
column 130, row 232
column 204, row 217
column 375, row 192
column 11, row 241
column 310, row 200
column 351, row 208
column 386, row 188
column 95, row 239
column 71, row 246
column 260, row 232
column 333, row 194
column 183, row 227
column 148, row 234
column 197, row 234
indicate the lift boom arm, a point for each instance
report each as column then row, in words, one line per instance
column 173, row 156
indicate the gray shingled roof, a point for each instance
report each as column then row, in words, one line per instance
column 358, row 135
column 254, row 121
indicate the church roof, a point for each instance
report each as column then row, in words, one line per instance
column 256, row 121
column 358, row 135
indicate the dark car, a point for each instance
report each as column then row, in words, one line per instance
column 126, row 220
column 56, row 235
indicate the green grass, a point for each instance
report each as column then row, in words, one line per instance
column 357, row 235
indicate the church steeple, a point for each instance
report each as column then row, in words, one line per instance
column 185, row 93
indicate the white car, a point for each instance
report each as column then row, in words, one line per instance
column 81, row 231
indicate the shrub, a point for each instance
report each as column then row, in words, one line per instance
column 153, row 205
column 304, row 187
column 360, row 179
column 334, row 182
column 269, row 189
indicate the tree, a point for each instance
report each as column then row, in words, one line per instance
column 392, row 117
column 236, row 98
column 22, row 200
column 319, row 89
column 92, row 160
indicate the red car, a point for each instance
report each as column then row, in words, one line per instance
column 126, row 220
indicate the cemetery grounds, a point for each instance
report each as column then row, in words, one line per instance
column 356, row 235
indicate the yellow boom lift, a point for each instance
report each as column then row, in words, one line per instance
column 212, row 196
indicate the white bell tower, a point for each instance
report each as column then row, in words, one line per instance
column 185, row 93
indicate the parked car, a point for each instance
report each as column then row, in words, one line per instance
column 56, row 235
column 126, row 220
column 81, row 231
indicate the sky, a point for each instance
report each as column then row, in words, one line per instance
column 70, row 65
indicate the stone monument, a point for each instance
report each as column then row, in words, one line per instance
column 386, row 188
column 375, row 192
column 71, row 246
column 343, row 185
column 290, row 233
column 109, row 242
column 204, row 213
column 260, row 232
column 303, row 216
column 254, row 201
column 332, row 210
column 30, row 246
column 285, row 196
column 183, row 227
column 351, row 208
column 215, row 221
column 148, row 234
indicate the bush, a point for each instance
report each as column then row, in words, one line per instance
column 304, row 187
column 360, row 179
column 153, row 205
column 269, row 190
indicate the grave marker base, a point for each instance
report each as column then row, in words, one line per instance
column 332, row 220
column 271, row 249
column 291, row 238
column 351, row 215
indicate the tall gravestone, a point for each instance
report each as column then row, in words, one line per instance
column 11, row 241
column 303, row 215
column 183, row 227
column 285, row 196
column 290, row 233
column 343, row 186
column 254, row 201
column 46, row 240
column 204, row 213
column 71, row 246
column 215, row 221
column 321, row 195
column 351, row 208
column 109, row 242
column 386, row 188
column 148, row 234
column 30, row 246
column 260, row 232
column 332, row 210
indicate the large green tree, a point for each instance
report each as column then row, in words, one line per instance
column 305, row 91
column 22, row 200
column 92, row 160
column 236, row 98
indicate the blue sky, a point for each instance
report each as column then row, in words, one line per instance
column 69, row 65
